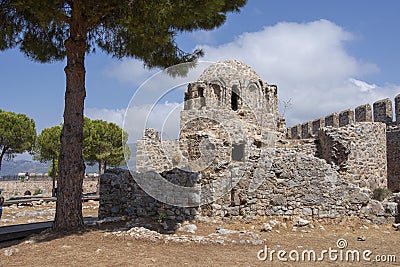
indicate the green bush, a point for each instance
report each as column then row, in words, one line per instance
column 381, row 193
column 38, row 191
column 161, row 217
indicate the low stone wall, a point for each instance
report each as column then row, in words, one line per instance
column 18, row 188
column 296, row 185
column 120, row 195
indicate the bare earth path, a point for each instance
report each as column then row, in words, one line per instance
column 104, row 245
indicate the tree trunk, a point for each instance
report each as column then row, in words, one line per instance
column 100, row 167
column 71, row 166
column 98, row 178
column 53, row 176
column 3, row 152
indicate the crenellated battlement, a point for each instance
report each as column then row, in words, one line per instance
column 382, row 111
column 363, row 113
column 359, row 130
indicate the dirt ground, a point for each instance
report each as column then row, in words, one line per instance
column 98, row 246
column 39, row 211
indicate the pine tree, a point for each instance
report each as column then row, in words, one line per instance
column 52, row 30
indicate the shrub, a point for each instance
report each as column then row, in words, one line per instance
column 38, row 191
column 381, row 193
column 161, row 217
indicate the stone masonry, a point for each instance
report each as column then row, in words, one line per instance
column 17, row 188
column 364, row 143
column 237, row 160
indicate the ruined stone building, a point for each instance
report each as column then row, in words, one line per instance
column 236, row 159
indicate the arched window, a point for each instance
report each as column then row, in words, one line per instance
column 235, row 98
column 201, row 96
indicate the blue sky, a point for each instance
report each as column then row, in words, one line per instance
column 325, row 56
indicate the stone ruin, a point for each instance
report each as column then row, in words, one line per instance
column 237, row 160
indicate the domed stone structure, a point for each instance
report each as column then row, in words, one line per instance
column 231, row 84
column 229, row 73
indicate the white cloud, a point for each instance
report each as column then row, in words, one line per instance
column 162, row 116
column 129, row 70
column 154, row 83
column 310, row 65
column 364, row 87
column 110, row 115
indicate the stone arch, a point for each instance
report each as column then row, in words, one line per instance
column 235, row 98
column 254, row 95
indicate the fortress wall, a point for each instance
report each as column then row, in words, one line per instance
column 306, row 146
column 306, row 130
column 317, row 125
column 121, row 195
column 393, row 157
column 381, row 112
column 393, row 150
column 359, row 150
column 346, row 117
column 18, row 188
column 332, row 120
column 295, row 185
column 397, row 108
column 294, row 132
column 363, row 113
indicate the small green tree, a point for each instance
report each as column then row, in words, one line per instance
column 48, row 149
column 103, row 144
column 17, row 134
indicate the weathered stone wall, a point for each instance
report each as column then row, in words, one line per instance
column 120, row 195
column 207, row 140
column 296, row 185
column 382, row 112
column 359, row 150
column 18, row 188
column 150, row 153
column 306, row 146
column 393, row 157
column 393, row 148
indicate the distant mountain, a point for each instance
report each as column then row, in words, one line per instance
column 13, row 167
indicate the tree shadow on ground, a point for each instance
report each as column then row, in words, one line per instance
column 45, row 235
column 157, row 224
